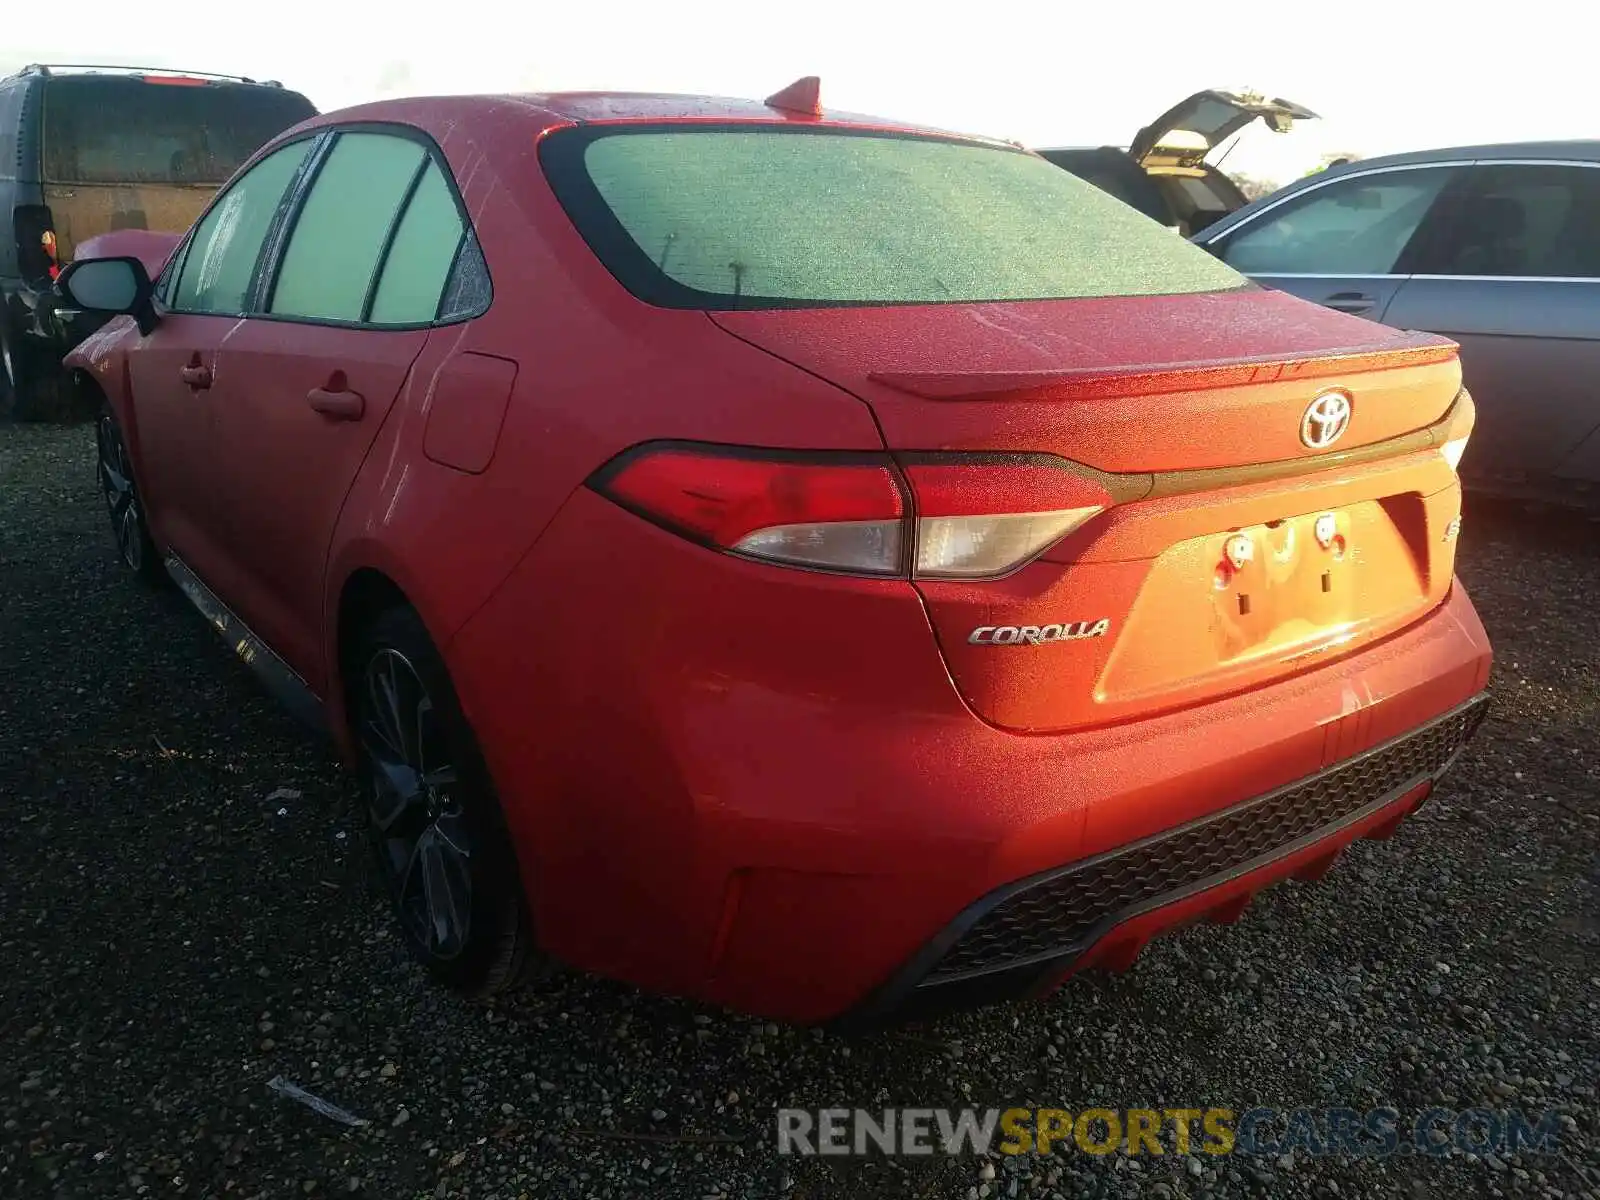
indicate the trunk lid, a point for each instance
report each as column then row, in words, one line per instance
column 1122, row 384
column 1230, row 551
column 1188, row 131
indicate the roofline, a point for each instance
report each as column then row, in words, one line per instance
column 698, row 109
column 1582, row 149
column 118, row 71
column 683, row 110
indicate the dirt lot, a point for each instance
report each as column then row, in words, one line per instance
column 187, row 914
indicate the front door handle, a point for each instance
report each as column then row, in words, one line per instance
column 197, row 375
column 1354, row 303
column 336, row 401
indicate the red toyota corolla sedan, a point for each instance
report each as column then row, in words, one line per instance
column 821, row 566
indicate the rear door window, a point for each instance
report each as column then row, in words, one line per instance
column 333, row 252
column 1355, row 226
column 1534, row 221
column 122, row 129
column 421, row 255
column 469, row 290
column 221, row 258
column 780, row 216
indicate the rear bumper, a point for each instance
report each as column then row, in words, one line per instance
column 801, row 817
column 1024, row 938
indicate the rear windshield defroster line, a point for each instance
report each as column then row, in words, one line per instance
column 755, row 215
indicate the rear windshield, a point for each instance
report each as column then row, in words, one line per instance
column 124, row 130
column 782, row 216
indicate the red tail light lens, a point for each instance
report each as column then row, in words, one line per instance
column 838, row 513
column 964, row 517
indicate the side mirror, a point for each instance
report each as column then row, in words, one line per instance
column 110, row 285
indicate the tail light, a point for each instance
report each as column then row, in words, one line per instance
column 841, row 513
column 947, row 516
column 982, row 516
column 36, row 242
column 47, row 243
column 1463, row 417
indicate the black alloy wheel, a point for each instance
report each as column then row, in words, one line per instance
column 120, row 490
column 440, row 840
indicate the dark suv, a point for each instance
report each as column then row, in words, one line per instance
column 88, row 150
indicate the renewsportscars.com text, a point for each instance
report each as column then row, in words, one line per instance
column 1375, row 1133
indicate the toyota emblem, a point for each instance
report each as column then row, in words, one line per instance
column 1325, row 420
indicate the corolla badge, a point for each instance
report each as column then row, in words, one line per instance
column 1037, row 635
column 1325, row 420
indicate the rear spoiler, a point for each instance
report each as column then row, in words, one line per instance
column 1127, row 488
column 1093, row 383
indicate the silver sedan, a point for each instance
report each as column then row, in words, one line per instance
column 1497, row 247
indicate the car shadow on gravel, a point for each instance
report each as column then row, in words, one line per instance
column 188, row 914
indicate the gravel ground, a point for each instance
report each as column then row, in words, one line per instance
column 187, row 914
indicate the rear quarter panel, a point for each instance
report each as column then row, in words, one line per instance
column 598, row 371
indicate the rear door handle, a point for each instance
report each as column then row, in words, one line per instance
column 197, row 375
column 338, row 405
column 1354, row 303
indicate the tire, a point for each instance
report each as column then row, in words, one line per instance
column 119, row 489
column 437, row 831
